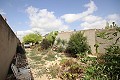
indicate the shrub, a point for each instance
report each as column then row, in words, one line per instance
column 51, row 37
column 60, row 45
column 45, row 44
column 58, row 41
column 60, row 49
column 110, row 67
column 63, row 42
column 70, row 70
column 93, row 70
column 78, row 44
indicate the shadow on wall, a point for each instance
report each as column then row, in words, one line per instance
column 20, row 61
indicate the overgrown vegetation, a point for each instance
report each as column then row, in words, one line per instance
column 104, row 67
column 70, row 70
column 111, row 60
column 78, row 44
column 49, row 39
column 50, row 57
column 107, row 66
column 45, row 44
column 60, row 45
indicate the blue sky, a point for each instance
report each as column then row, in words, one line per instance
column 25, row 16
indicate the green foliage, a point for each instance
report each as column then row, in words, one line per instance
column 60, row 45
column 49, row 40
column 109, row 68
column 70, row 70
column 50, row 57
column 32, row 38
column 112, row 62
column 78, row 44
column 58, row 41
column 60, row 49
column 92, row 69
column 51, row 37
column 96, row 47
column 63, row 42
column 53, row 71
column 45, row 44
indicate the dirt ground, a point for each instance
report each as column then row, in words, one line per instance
column 40, row 63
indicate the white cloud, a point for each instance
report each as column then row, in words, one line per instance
column 74, row 17
column 21, row 34
column 114, row 17
column 91, row 18
column 44, row 20
column 92, row 22
column 2, row 12
column 95, row 25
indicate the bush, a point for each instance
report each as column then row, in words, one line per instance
column 109, row 68
column 60, row 49
column 78, row 44
column 111, row 65
column 51, row 37
column 45, row 44
column 58, row 41
column 70, row 70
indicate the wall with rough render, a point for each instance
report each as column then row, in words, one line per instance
column 104, row 43
column 90, row 34
column 92, row 38
column 8, row 44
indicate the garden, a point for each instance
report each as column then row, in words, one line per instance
column 62, row 60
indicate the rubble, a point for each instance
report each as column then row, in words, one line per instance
column 20, row 61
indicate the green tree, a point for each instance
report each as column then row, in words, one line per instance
column 32, row 38
column 51, row 37
column 78, row 44
column 49, row 40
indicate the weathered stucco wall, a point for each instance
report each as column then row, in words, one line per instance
column 64, row 35
column 104, row 43
column 90, row 34
column 8, row 44
column 92, row 38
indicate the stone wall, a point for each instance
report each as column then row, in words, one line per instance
column 8, row 44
